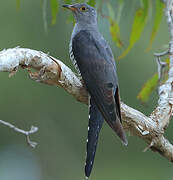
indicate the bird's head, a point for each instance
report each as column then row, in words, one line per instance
column 83, row 13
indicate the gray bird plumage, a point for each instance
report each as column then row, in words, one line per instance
column 84, row 21
column 93, row 59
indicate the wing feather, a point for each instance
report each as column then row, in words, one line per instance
column 98, row 72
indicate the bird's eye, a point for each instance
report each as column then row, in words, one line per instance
column 83, row 8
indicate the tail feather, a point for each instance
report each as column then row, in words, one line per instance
column 95, row 123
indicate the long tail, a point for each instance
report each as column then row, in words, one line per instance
column 95, row 123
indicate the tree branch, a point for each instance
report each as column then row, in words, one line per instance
column 51, row 71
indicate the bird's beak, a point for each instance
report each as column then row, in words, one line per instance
column 71, row 7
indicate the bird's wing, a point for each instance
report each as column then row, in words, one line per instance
column 98, row 72
column 95, row 123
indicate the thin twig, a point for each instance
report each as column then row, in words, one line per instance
column 160, row 68
column 164, row 53
column 26, row 133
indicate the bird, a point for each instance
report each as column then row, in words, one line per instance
column 94, row 61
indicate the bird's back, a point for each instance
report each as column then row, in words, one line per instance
column 97, row 67
column 92, row 49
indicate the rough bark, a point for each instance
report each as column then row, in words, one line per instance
column 51, row 71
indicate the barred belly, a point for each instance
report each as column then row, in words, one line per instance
column 73, row 59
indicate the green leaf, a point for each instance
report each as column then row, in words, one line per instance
column 44, row 12
column 54, row 10
column 121, row 1
column 67, row 1
column 92, row 3
column 157, row 20
column 147, row 89
column 111, row 11
column 115, row 32
column 18, row 4
column 120, row 8
column 114, row 27
column 139, row 22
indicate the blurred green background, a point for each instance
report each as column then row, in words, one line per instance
column 62, row 121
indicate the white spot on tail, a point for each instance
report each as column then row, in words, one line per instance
column 88, row 128
column 89, row 116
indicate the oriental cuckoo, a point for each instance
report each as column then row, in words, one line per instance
column 94, row 61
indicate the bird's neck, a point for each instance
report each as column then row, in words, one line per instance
column 78, row 27
column 87, row 26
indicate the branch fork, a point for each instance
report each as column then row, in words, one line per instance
column 26, row 133
column 49, row 70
